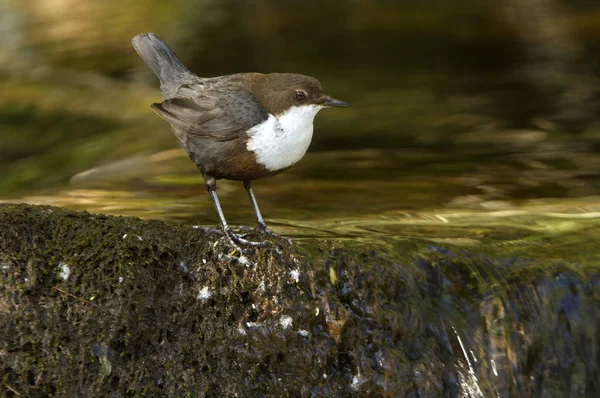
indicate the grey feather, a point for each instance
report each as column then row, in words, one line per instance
column 220, row 108
column 163, row 61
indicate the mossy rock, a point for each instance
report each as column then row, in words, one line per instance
column 94, row 305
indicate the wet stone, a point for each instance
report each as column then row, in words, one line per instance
column 94, row 305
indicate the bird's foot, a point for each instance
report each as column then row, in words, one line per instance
column 262, row 229
column 237, row 239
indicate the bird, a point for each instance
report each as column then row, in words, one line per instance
column 241, row 127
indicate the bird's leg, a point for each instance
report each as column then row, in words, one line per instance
column 211, row 187
column 261, row 226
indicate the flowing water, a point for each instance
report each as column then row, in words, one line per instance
column 469, row 128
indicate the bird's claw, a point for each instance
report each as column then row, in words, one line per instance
column 238, row 241
column 244, row 242
column 262, row 229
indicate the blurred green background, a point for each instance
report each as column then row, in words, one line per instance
column 474, row 134
column 469, row 106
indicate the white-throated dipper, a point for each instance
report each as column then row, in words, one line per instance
column 240, row 127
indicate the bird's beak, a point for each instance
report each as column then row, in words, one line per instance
column 332, row 102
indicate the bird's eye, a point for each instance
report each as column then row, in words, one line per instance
column 300, row 95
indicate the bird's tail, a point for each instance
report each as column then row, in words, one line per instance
column 161, row 59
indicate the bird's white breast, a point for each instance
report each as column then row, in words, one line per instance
column 280, row 141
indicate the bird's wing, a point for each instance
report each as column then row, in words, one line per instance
column 210, row 114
